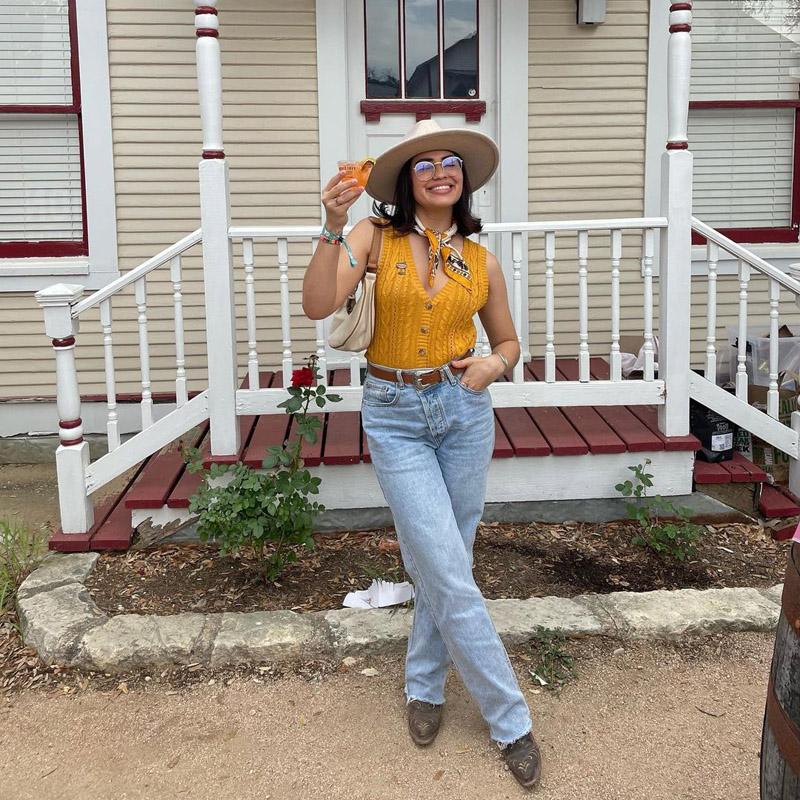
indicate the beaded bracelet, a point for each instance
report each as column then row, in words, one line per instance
column 329, row 237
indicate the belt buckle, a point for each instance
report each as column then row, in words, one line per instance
column 416, row 380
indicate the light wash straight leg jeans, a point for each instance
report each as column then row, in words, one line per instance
column 431, row 449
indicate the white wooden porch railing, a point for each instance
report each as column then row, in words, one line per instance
column 63, row 308
column 223, row 402
column 704, row 389
column 518, row 392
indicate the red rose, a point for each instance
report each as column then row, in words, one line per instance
column 302, row 377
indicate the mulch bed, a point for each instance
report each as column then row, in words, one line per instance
column 511, row 561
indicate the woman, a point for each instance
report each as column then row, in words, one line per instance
column 426, row 408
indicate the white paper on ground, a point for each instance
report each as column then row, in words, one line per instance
column 380, row 594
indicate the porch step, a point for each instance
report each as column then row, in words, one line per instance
column 741, row 484
column 163, row 481
column 738, row 470
column 773, row 503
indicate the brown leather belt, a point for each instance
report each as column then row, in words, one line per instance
column 418, row 378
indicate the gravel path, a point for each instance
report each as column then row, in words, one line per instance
column 656, row 721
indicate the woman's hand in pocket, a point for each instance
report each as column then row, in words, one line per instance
column 479, row 372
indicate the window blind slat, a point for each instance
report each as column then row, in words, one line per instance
column 744, row 51
column 40, row 178
column 743, row 181
column 36, row 66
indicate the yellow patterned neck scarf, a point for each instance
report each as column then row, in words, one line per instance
column 441, row 252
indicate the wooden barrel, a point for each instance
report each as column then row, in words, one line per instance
column 780, row 738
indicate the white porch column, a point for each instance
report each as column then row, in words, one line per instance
column 217, row 250
column 72, row 455
column 676, row 240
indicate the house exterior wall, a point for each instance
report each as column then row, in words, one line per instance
column 271, row 141
column 587, row 100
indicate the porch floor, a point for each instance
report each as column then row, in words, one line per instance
column 162, row 480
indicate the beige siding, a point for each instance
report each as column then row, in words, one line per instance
column 587, row 102
column 271, row 140
column 587, row 97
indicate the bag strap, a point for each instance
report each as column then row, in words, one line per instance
column 375, row 249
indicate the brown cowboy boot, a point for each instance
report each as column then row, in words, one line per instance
column 524, row 760
column 423, row 721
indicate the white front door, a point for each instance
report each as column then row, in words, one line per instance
column 371, row 138
column 347, row 133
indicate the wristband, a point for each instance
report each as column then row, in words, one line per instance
column 329, row 237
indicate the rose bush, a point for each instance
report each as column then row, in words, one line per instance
column 267, row 510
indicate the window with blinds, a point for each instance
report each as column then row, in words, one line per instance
column 743, row 116
column 41, row 196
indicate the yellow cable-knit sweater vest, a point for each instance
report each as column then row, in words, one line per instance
column 413, row 330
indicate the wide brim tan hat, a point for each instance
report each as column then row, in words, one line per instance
column 479, row 152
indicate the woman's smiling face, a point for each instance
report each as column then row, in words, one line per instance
column 441, row 191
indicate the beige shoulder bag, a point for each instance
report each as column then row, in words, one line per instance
column 353, row 323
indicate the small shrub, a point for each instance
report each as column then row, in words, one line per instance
column 554, row 667
column 674, row 540
column 268, row 511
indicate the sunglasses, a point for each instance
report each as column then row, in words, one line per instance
column 425, row 170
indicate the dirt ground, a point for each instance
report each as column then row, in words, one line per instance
column 657, row 721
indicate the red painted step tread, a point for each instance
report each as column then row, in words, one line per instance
column 710, row 473
column 742, row 470
column 502, row 446
column 784, row 490
column 599, row 368
column 566, row 369
column 269, row 429
column 116, row 532
column 311, row 453
column 163, row 471
column 523, row 435
column 81, row 542
column 246, row 427
column 593, row 430
column 556, row 429
column 343, row 433
column 69, row 542
column 535, row 371
column 773, row 503
column 637, row 436
column 782, row 534
column 188, row 484
column 649, row 416
column 365, row 454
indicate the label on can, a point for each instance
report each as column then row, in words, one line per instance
column 722, row 441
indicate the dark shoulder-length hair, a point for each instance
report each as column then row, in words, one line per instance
column 400, row 214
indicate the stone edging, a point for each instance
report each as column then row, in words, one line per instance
column 60, row 619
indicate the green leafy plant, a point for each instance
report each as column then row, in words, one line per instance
column 22, row 549
column 554, row 666
column 269, row 511
column 668, row 539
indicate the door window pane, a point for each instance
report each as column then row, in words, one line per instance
column 460, row 48
column 383, row 48
column 422, row 48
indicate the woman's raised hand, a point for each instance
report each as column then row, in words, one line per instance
column 337, row 197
